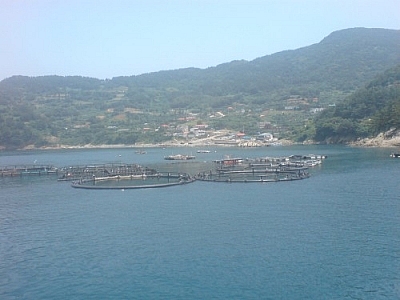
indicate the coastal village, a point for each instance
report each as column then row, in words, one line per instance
column 202, row 137
column 194, row 127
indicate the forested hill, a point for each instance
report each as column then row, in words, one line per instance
column 35, row 110
column 343, row 61
column 370, row 110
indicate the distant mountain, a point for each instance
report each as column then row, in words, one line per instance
column 343, row 61
column 327, row 71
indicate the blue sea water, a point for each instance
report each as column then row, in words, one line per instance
column 335, row 235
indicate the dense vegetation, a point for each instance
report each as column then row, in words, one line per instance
column 370, row 110
column 278, row 90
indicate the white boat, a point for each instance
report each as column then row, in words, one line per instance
column 203, row 151
column 140, row 152
column 179, row 157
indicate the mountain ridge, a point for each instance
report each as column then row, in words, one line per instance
column 358, row 33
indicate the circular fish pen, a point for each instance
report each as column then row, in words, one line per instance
column 133, row 181
column 253, row 175
column 260, row 169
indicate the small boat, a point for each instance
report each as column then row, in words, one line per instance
column 203, row 151
column 228, row 161
column 179, row 157
column 395, row 155
column 140, row 152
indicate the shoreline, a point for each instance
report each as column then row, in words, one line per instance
column 191, row 144
column 388, row 139
column 383, row 140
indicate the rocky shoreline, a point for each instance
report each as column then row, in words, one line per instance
column 388, row 139
column 173, row 143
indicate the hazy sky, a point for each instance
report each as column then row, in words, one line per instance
column 104, row 39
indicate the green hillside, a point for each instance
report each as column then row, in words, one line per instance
column 280, row 89
column 370, row 110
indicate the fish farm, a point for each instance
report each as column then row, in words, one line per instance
column 21, row 170
column 134, row 181
column 133, row 176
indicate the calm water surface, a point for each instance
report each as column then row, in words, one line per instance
column 335, row 235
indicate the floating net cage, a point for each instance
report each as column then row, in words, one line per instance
column 253, row 176
column 134, row 181
column 230, row 170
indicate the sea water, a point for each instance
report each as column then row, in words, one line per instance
column 335, row 235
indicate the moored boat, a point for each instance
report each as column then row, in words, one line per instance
column 140, row 152
column 179, row 157
column 228, row 161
